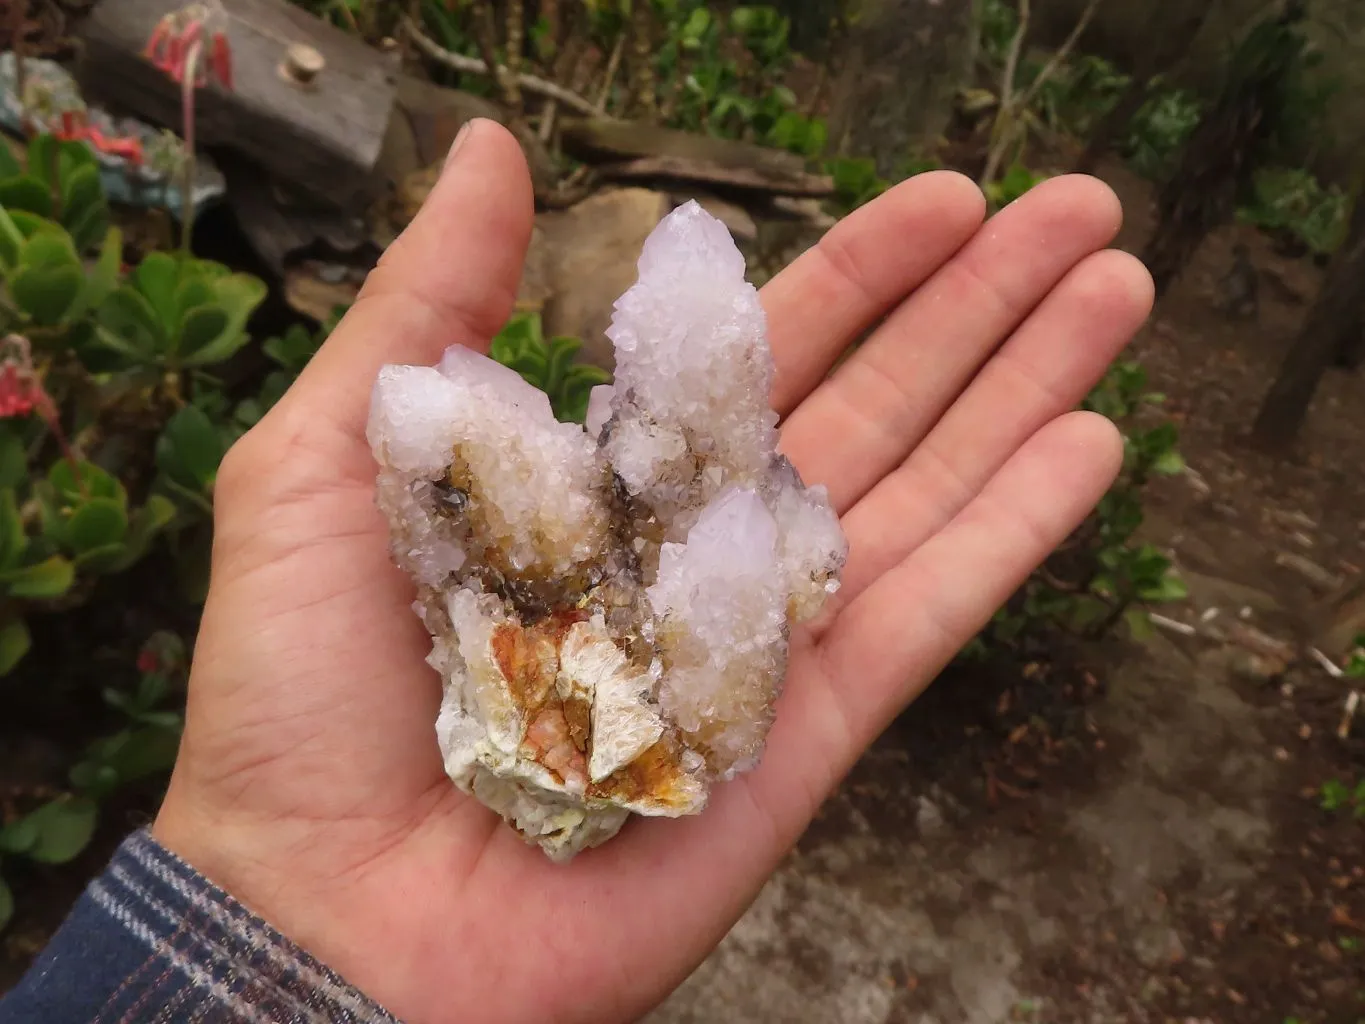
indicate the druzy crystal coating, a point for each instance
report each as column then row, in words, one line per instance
column 609, row 606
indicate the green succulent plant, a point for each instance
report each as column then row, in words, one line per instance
column 178, row 312
column 86, row 516
column 61, row 183
column 549, row 365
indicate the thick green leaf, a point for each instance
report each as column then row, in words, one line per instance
column 84, row 209
column 128, row 324
column 43, row 158
column 73, row 155
column 293, row 349
column 81, row 188
column 240, row 294
column 1170, row 588
column 190, row 448
column 14, row 644
column 87, row 226
column 105, row 559
column 9, row 163
column 11, row 240
column 6, row 904
column 1169, row 463
column 13, row 541
column 103, row 276
column 134, row 754
column 559, row 357
column 49, row 247
column 26, row 193
column 193, row 292
column 18, row 836
column 201, row 329
column 209, row 270
column 92, row 779
column 153, row 517
column 98, row 483
column 156, row 278
column 96, row 524
column 13, row 457
column 65, row 826
column 1139, row 623
column 51, row 578
column 143, row 527
column 47, row 294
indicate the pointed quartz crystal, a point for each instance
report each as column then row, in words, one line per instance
column 609, row 607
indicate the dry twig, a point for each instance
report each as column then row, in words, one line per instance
column 1013, row 106
column 474, row 66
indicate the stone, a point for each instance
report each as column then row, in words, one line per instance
column 585, row 256
column 609, row 605
column 737, row 220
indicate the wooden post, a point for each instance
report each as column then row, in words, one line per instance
column 321, row 130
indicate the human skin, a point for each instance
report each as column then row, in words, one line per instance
column 309, row 784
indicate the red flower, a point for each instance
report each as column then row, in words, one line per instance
column 191, row 37
column 17, row 392
column 148, row 662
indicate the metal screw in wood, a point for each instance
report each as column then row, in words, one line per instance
column 302, row 64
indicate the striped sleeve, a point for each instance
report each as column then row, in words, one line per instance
column 151, row 941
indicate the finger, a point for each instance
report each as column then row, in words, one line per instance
column 450, row 278
column 859, row 270
column 884, row 399
column 1045, row 369
column 886, row 645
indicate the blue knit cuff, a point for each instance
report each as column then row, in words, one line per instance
column 151, row 941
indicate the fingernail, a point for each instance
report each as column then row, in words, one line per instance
column 461, row 138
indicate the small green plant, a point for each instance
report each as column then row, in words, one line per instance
column 59, row 829
column 1355, row 664
column 290, row 352
column 996, row 24
column 1291, row 205
column 856, row 181
column 549, row 365
column 176, row 312
column 723, row 75
column 1160, row 129
column 96, row 363
column 1102, row 575
column 1079, row 93
column 1011, row 185
column 60, row 181
column 1339, row 796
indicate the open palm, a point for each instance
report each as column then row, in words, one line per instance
column 309, row 783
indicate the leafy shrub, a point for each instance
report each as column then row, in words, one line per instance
column 112, row 427
column 1290, row 204
column 1160, row 129
column 95, row 357
column 58, row 829
column 1337, row 795
column 1013, row 184
column 548, row 365
column 1101, row 575
column 723, row 75
column 1079, row 93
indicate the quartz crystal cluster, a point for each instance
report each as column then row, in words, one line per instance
column 610, row 606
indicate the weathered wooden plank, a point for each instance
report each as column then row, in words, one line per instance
column 672, row 169
column 325, row 136
column 626, row 140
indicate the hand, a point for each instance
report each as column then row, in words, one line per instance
column 309, row 784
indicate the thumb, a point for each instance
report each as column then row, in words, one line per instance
column 450, row 278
